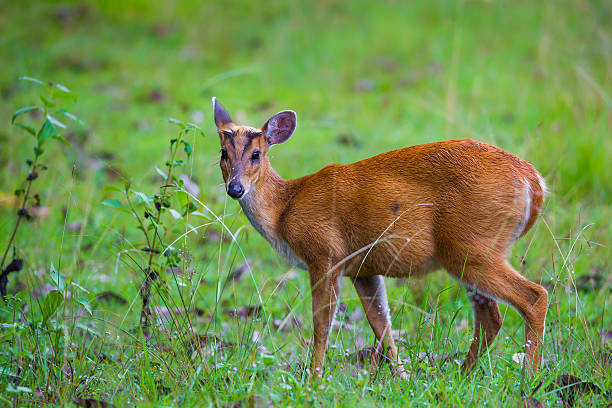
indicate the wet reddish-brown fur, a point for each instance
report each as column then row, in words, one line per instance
column 419, row 193
column 458, row 204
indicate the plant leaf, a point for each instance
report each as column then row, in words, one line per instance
column 47, row 102
column 194, row 127
column 22, row 111
column 17, row 389
column 60, row 91
column 142, row 198
column 188, row 149
column 27, row 128
column 46, row 132
column 56, row 122
column 183, row 198
column 26, row 78
column 86, row 305
column 76, row 285
column 177, row 122
column 62, row 139
column 50, row 305
column 57, row 278
column 62, row 88
column 175, row 214
column 70, row 116
column 161, row 172
column 114, row 204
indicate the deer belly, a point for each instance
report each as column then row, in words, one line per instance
column 395, row 255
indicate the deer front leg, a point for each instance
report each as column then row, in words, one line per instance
column 325, row 288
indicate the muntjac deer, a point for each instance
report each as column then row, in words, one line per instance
column 457, row 205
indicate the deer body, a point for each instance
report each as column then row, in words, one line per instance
column 459, row 205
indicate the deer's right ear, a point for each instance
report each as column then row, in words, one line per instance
column 280, row 127
column 222, row 118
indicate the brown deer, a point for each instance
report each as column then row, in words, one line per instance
column 457, row 205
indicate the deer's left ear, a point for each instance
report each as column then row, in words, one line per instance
column 222, row 118
column 280, row 127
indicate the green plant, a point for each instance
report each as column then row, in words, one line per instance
column 171, row 199
column 51, row 97
column 38, row 320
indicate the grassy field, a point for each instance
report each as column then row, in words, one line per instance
column 232, row 320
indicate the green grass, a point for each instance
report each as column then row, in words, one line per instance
column 533, row 78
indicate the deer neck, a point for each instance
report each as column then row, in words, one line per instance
column 265, row 201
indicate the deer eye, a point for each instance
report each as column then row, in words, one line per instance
column 255, row 155
column 223, row 154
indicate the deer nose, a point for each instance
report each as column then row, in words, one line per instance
column 235, row 189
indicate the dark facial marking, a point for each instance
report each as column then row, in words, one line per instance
column 230, row 135
column 250, row 136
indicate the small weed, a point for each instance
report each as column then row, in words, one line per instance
column 52, row 96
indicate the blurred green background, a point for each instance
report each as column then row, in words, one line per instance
column 534, row 78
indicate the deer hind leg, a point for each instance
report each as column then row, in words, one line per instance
column 373, row 295
column 498, row 280
column 325, row 288
column 487, row 323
